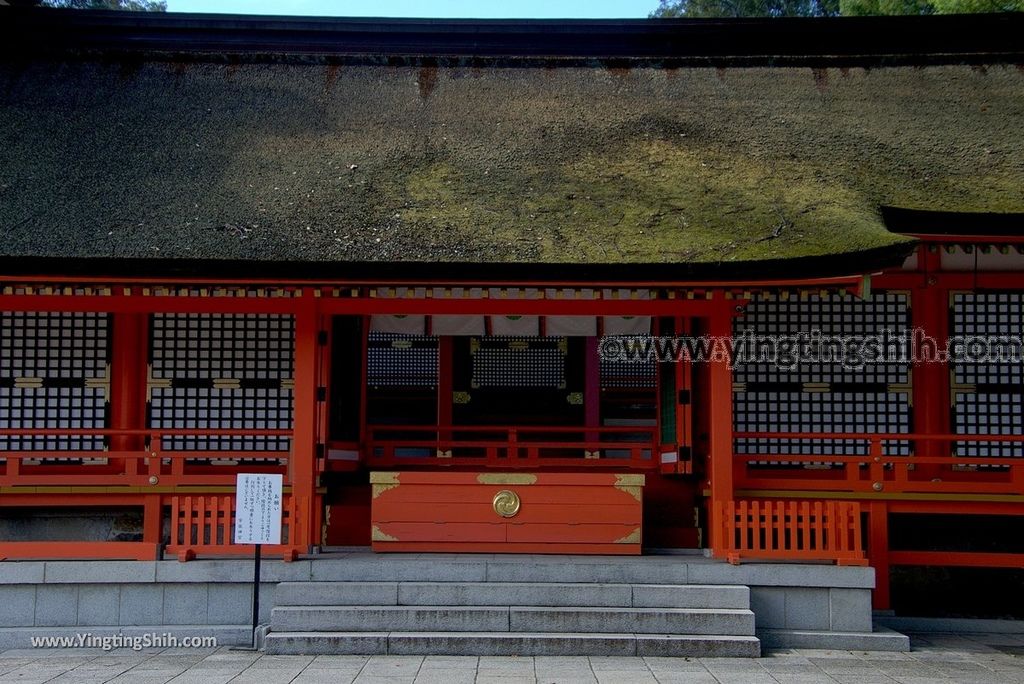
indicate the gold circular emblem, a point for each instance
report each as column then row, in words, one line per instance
column 506, row 503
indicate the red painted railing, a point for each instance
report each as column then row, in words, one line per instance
column 630, row 447
column 149, row 464
column 791, row 530
column 204, row 525
column 932, row 469
column 144, row 476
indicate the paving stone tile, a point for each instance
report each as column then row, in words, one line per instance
column 267, row 676
column 206, row 677
column 863, row 678
column 620, row 677
column 687, row 678
column 744, row 678
column 450, row 662
column 439, row 676
column 324, row 677
column 336, row 662
column 820, row 678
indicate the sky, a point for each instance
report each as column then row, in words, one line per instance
column 475, row 9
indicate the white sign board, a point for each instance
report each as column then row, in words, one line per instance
column 258, row 509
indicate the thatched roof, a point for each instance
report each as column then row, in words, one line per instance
column 549, row 164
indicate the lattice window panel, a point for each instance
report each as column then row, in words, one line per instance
column 519, row 362
column 833, row 315
column 796, row 411
column 65, row 357
column 988, row 314
column 992, row 414
column 847, row 398
column 617, row 373
column 987, row 396
column 212, row 371
column 396, row 360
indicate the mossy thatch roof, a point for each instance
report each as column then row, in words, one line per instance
column 557, row 165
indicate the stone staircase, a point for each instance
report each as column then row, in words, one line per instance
column 547, row 609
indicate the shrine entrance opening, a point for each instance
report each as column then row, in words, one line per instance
column 509, row 393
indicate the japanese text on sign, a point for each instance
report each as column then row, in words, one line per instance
column 258, row 509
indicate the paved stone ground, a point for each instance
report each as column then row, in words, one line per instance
column 935, row 658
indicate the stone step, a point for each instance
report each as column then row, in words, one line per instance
column 457, row 618
column 689, row 621
column 505, row 643
column 508, row 568
column 511, row 593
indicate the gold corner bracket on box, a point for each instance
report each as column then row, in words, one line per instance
column 382, row 482
column 631, row 484
column 633, row 537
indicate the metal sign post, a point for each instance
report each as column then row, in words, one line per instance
column 257, row 521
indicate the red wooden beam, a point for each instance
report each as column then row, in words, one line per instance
column 79, row 549
column 951, row 280
column 358, row 305
column 852, row 279
column 957, row 559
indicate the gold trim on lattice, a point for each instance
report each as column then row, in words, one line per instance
column 902, row 388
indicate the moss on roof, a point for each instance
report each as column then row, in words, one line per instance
column 557, row 165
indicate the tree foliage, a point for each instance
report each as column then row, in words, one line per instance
column 129, row 5
column 828, row 8
column 747, row 8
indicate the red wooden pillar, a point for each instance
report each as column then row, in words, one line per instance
column 929, row 313
column 720, row 456
column 302, row 467
column 128, row 387
column 445, row 380
column 591, row 386
column 128, row 379
column 684, row 403
column 878, row 552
